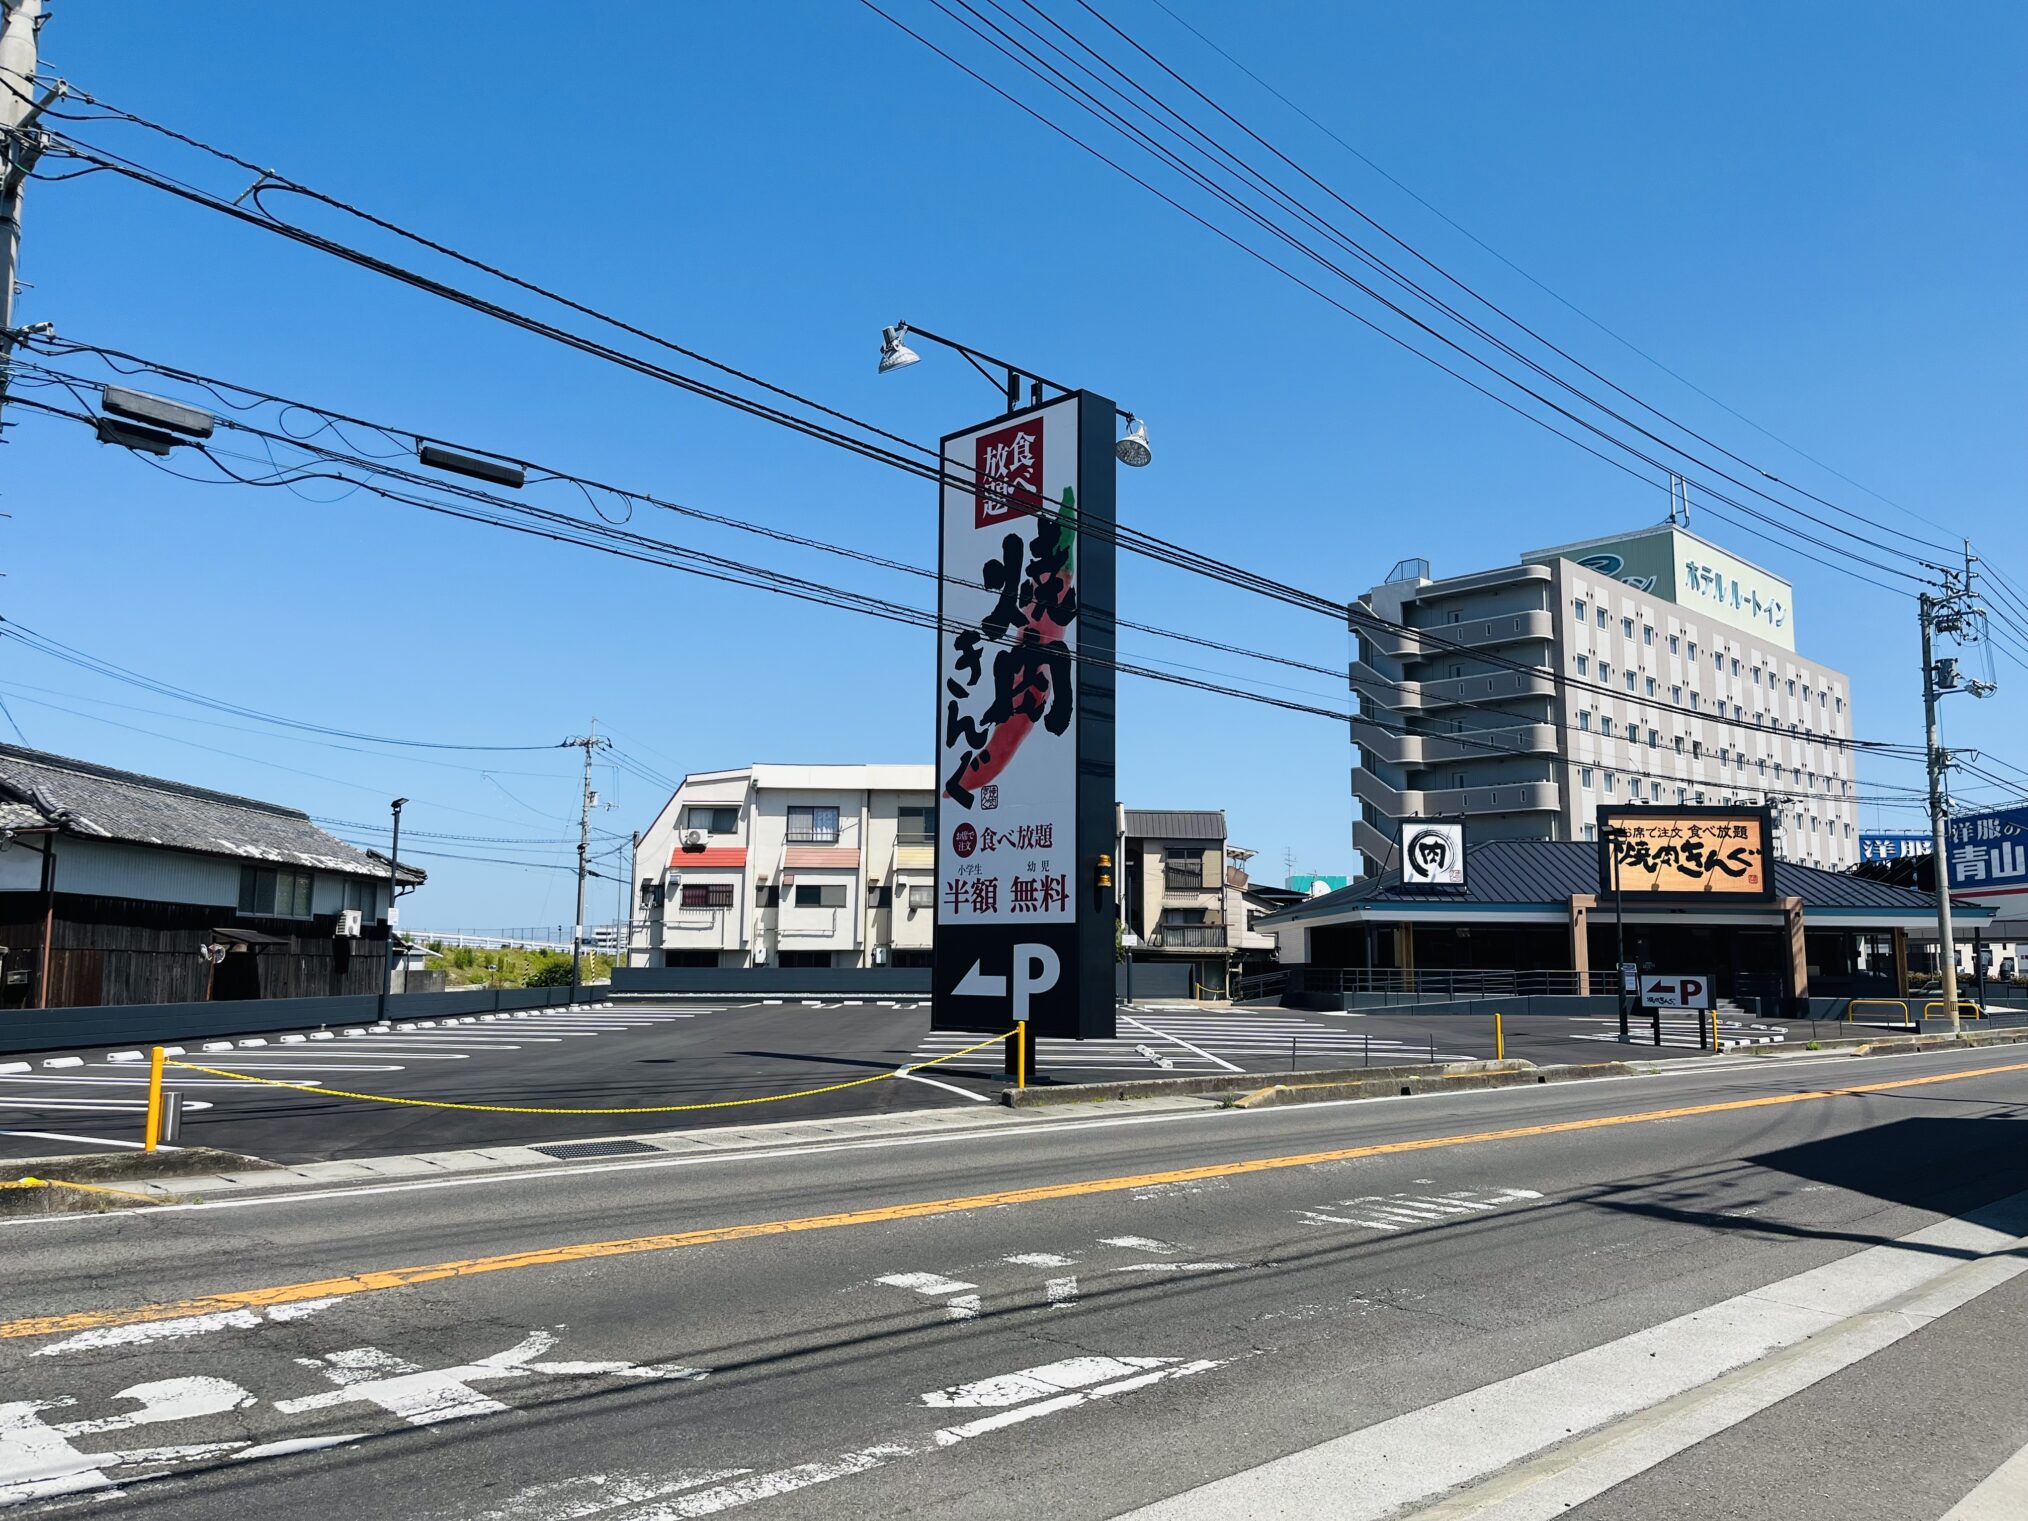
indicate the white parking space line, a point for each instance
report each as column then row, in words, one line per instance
column 1179, row 1040
column 83, row 1140
column 916, row 1077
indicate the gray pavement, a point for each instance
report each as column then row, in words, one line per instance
column 1069, row 1319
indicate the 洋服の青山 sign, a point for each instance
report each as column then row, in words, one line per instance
column 1023, row 750
column 1683, row 853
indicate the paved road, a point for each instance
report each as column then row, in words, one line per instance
column 652, row 1056
column 1757, row 1289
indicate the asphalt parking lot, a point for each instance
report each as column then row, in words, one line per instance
column 654, row 1057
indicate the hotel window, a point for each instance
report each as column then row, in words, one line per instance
column 1693, row 702
column 1591, row 831
column 1584, row 776
column 1647, row 634
column 1578, row 604
column 1756, row 675
column 1626, row 628
column 1630, row 681
column 1675, row 644
column 1605, row 727
column 1697, row 749
column 1792, row 687
column 1735, row 665
column 1601, row 617
column 1693, row 649
column 1680, row 793
column 1654, row 740
column 1584, row 720
column 1605, row 671
column 1676, row 696
column 1584, row 665
column 1651, row 686
column 1679, row 744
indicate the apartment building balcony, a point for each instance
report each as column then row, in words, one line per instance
column 1490, row 633
column 1395, row 802
column 1190, row 937
column 1479, row 744
column 1492, row 797
column 1485, row 686
column 1386, row 744
column 1374, row 844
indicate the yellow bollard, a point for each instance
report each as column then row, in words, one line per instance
column 1499, row 1040
column 1021, row 1055
column 152, row 1135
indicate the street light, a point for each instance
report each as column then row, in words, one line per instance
column 393, row 888
column 895, row 354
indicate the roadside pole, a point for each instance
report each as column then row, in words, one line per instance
column 1937, row 764
column 393, row 892
column 151, row 1134
column 18, row 111
column 588, row 744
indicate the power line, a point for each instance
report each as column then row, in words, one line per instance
column 1358, row 615
column 1083, row 101
column 1554, row 295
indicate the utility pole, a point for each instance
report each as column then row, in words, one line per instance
column 588, row 743
column 1937, row 762
column 18, row 152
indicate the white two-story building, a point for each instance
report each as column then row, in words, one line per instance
column 810, row 866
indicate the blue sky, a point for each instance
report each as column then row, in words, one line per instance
column 1814, row 211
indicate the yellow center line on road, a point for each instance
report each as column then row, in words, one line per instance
column 376, row 1280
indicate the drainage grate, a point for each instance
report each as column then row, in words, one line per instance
column 570, row 1151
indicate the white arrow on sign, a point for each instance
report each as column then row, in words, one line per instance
column 1036, row 969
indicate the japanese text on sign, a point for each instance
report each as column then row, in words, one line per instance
column 1689, row 853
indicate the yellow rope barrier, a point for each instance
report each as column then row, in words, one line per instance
column 766, row 1098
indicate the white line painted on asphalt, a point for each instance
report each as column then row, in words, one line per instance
column 85, row 1140
column 1179, row 1040
column 177, row 1330
column 1062, row 1292
column 1139, row 1243
column 926, row 1283
column 1039, row 1259
column 952, row 1435
column 1861, row 1303
column 1180, row 1267
column 2002, row 1496
column 916, row 1077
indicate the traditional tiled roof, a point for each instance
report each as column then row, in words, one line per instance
column 39, row 791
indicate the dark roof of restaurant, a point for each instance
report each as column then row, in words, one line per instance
column 1176, row 824
column 1535, row 872
column 40, row 791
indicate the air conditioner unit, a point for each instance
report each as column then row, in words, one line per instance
column 693, row 839
column 348, row 923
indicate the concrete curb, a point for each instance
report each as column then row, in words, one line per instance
column 102, row 1169
column 1891, row 1044
column 1222, row 1085
column 1446, row 1082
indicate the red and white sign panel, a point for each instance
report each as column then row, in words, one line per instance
column 1675, row 992
column 1007, row 745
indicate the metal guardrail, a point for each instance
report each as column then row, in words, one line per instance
column 1887, row 1003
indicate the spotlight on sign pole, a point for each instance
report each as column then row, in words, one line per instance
column 895, row 354
column 1133, row 449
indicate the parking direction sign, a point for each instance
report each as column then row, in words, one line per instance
column 1675, row 992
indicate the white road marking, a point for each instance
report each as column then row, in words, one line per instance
column 176, row 1330
column 1062, row 1292
column 917, row 1077
column 962, row 1307
column 1808, row 1326
column 85, row 1140
column 951, row 1435
column 63, row 1061
column 2001, row 1496
column 1039, row 1383
column 425, row 1396
column 1392, row 1212
column 1179, row 1040
column 926, row 1283
column 767, row 1486
column 1139, row 1243
column 1180, row 1267
column 1039, row 1259
column 37, row 1459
